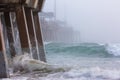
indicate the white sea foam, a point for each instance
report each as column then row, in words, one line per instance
column 95, row 73
column 17, row 78
column 113, row 49
column 45, row 43
column 83, row 68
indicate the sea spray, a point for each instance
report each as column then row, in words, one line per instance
column 26, row 63
column 95, row 73
column 113, row 49
column 87, row 61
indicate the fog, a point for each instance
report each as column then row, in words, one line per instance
column 97, row 20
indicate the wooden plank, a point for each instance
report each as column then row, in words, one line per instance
column 3, row 59
column 7, row 7
column 23, row 30
column 31, row 30
column 10, row 32
column 9, row 1
column 39, row 37
column 12, row 1
column 39, row 6
column 32, row 3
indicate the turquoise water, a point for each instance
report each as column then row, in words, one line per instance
column 84, row 61
column 79, row 50
column 88, row 61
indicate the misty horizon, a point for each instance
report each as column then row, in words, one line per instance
column 97, row 20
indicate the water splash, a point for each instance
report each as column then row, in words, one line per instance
column 113, row 49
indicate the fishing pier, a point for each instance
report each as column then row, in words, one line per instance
column 23, row 13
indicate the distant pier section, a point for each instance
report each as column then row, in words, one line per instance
column 21, row 16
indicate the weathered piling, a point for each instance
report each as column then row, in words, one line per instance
column 10, row 32
column 31, row 31
column 27, row 19
column 39, row 37
column 3, row 57
column 23, row 29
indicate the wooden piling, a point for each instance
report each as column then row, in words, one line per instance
column 31, row 30
column 39, row 37
column 3, row 59
column 10, row 32
column 23, row 30
column 28, row 27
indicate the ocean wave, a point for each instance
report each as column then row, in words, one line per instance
column 85, row 49
column 113, row 49
column 46, row 43
column 94, row 73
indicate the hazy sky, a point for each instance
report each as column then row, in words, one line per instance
column 97, row 20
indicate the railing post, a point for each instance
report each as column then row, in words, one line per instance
column 3, row 59
column 23, row 30
column 39, row 37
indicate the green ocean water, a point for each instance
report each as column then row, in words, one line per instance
column 88, row 61
column 80, row 50
column 84, row 61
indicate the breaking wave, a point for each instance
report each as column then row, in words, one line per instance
column 85, row 49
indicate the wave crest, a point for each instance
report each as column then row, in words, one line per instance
column 113, row 49
column 85, row 49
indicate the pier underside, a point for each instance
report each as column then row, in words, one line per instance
column 23, row 15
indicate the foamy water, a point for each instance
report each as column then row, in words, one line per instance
column 94, row 73
column 114, row 49
column 80, row 67
column 84, row 69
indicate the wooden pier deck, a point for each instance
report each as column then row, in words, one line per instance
column 28, row 24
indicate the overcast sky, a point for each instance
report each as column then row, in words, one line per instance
column 97, row 20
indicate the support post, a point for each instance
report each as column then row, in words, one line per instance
column 39, row 37
column 23, row 30
column 31, row 31
column 3, row 59
column 10, row 32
